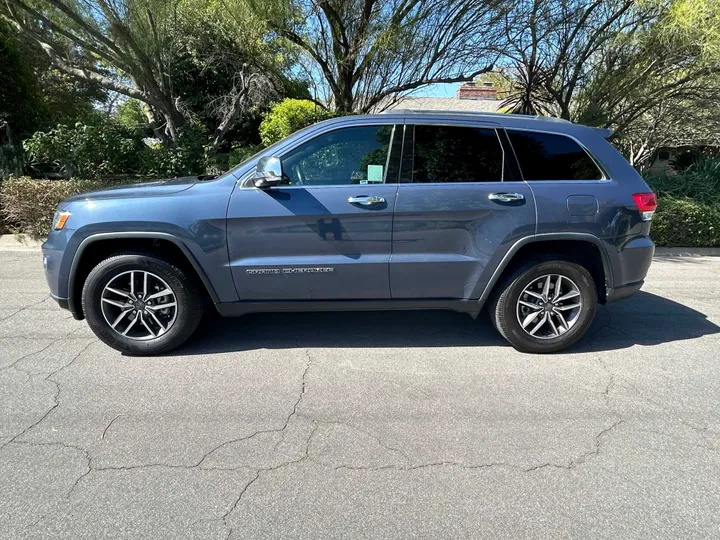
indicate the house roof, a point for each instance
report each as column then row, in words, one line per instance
column 446, row 104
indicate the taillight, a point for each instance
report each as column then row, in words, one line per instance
column 646, row 204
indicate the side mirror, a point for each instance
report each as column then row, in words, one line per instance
column 268, row 172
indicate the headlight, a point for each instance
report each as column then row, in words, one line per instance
column 60, row 219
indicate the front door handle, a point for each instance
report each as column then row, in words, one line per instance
column 506, row 197
column 365, row 200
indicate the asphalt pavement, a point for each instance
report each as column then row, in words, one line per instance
column 364, row 425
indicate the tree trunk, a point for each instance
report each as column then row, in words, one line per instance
column 344, row 99
column 152, row 122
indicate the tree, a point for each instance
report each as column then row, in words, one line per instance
column 553, row 44
column 657, row 87
column 33, row 97
column 641, row 68
column 21, row 103
column 131, row 47
column 362, row 54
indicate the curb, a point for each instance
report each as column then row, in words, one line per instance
column 12, row 242
column 687, row 252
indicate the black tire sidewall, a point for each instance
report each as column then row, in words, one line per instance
column 513, row 331
column 188, row 308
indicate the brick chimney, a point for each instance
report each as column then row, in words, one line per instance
column 473, row 90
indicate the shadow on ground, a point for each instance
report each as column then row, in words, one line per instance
column 644, row 319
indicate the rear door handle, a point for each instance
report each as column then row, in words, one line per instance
column 506, row 197
column 365, row 200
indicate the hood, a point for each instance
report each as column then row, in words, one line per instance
column 145, row 189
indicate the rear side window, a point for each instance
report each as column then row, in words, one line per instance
column 456, row 154
column 545, row 156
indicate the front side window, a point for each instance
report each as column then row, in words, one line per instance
column 456, row 154
column 546, row 156
column 353, row 155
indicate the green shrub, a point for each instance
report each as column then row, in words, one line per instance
column 87, row 151
column 684, row 222
column 187, row 157
column 28, row 205
column 241, row 153
column 700, row 181
column 289, row 116
column 3, row 224
column 12, row 159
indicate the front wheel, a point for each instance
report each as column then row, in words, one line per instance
column 545, row 306
column 141, row 304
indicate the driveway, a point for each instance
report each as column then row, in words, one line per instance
column 364, row 425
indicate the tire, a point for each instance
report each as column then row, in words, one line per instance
column 527, row 283
column 157, row 329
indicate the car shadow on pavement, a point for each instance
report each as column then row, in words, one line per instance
column 645, row 319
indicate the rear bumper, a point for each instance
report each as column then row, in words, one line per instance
column 625, row 291
column 631, row 267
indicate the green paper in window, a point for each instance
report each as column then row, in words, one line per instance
column 374, row 174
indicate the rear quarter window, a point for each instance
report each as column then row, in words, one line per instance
column 548, row 156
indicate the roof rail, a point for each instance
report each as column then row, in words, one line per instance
column 603, row 132
column 475, row 113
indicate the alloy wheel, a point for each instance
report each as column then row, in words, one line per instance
column 139, row 305
column 549, row 306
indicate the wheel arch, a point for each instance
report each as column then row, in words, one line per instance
column 583, row 248
column 105, row 244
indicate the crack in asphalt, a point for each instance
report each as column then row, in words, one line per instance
column 695, row 427
column 456, row 464
column 102, row 437
column 630, row 386
column 281, row 430
column 54, row 341
column 583, row 457
column 259, row 473
column 374, row 437
column 198, row 464
column 614, row 381
column 294, row 411
column 56, row 397
column 588, row 341
column 83, row 451
column 306, row 456
column 25, row 308
column 28, row 355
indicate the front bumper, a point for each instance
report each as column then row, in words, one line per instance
column 62, row 302
column 52, row 260
column 53, row 251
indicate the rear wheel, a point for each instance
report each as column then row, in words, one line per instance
column 141, row 304
column 545, row 306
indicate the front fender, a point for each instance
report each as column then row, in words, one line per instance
column 73, row 257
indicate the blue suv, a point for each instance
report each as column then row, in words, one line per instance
column 536, row 219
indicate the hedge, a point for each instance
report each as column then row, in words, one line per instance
column 688, row 213
column 684, row 222
column 28, row 206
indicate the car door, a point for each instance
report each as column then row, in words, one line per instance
column 326, row 234
column 460, row 206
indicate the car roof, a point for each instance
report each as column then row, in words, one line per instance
column 494, row 116
column 506, row 120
